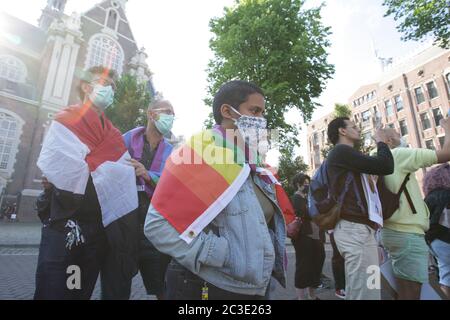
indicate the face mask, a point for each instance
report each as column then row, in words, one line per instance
column 102, row 97
column 250, row 127
column 403, row 143
column 165, row 123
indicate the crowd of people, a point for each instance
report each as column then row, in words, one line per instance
column 205, row 221
column 8, row 212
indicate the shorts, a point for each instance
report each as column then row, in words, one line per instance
column 409, row 254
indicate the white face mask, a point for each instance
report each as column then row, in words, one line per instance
column 254, row 132
column 102, row 96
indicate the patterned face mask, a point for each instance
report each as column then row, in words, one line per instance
column 253, row 130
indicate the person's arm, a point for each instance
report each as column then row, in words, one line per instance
column 303, row 208
column 206, row 249
column 296, row 205
column 409, row 160
column 349, row 158
column 443, row 155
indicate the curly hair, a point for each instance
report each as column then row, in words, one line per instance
column 436, row 178
column 299, row 179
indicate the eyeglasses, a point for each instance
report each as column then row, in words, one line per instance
column 164, row 110
column 104, row 82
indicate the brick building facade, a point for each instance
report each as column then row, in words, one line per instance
column 39, row 69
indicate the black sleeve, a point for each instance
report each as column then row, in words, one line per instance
column 346, row 157
column 42, row 206
column 300, row 206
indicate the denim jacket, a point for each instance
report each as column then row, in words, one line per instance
column 237, row 251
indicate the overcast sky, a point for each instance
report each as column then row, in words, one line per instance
column 176, row 36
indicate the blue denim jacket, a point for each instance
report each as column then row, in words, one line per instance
column 237, row 252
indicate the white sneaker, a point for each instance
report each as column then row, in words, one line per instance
column 340, row 293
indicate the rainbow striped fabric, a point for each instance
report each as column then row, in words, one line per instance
column 199, row 180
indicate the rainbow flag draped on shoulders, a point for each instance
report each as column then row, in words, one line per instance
column 199, row 180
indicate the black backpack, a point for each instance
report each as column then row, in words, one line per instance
column 390, row 201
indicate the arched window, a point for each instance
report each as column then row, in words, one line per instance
column 104, row 51
column 10, row 129
column 12, row 69
column 112, row 19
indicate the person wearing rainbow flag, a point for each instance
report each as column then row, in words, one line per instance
column 215, row 210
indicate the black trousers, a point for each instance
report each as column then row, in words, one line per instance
column 181, row 284
column 152, row 264
column 122, row 263
column 309, row 259
column 54, row 260
column 338, row 266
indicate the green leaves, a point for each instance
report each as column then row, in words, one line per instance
column 419, row 18
column 288, row 167
column 131, row 100
column 277, row 45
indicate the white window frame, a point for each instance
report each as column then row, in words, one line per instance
column 368, row 113
column 423, row 94
column 108, row 12
column 16, row 142
column 435, row 86
column 89, row 53
column 400, row 127
column 22, row 67
column 386, row 108
column 421, row 122
column 433, row 108
column 395, row 102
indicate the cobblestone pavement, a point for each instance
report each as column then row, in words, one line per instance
column 16, row 234
column 18, row 266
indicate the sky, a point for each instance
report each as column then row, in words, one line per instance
column 176, row 36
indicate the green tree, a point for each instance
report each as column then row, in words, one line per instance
column 278, row 45
column 419, row 18
column 342, row 110
column 288, row 167
column 131, row 100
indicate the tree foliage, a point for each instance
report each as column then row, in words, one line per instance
column 288, row 167
column 131, row 100
column 278, row 45
column 419, row 18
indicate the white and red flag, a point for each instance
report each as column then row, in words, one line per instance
column 79, row 143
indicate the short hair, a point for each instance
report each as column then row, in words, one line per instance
column 299, row 179
column 233, row 93
column 333, row 129
column 158, row 103
column 89, row 74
